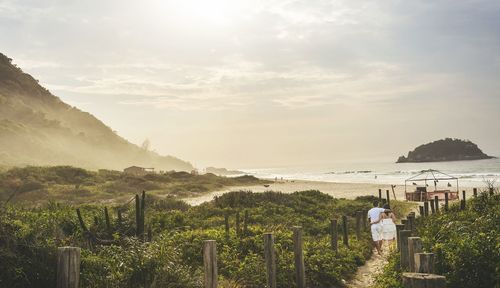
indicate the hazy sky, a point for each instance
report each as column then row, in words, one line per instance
column 256, row 83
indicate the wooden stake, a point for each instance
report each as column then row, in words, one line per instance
column 403, row 248
column 420, row 280
column 334, row 235
column 436, row 203
column 210, row 263
column 414, row 246
column 344, row 231
column 399, row 227
column 68, row 267
column 388, row 197
column 108, row 222
column 300, row 271
column 270, row 258
column 424, row 263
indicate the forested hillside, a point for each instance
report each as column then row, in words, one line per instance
column 37, row 128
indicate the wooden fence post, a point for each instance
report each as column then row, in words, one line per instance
column 474, row 190
column 436, row 203
column 403, row 249
column 344, row 231
column 137, row 216
column 399, row 227
column 379, row 197
column 446, row 206
column 388, row 198
column 414, row 246
column 68, row 267
column 108, row 222
column 143, row 211
column 411, row 222
column 424, row 263
column 270, row 258
column 358, row 225
column 421, row 210
column 210, row 263
column 431, row 203
column 420, row 280
column 462, row 202
column 426, row 208
column 300, row 271
column 334, row 234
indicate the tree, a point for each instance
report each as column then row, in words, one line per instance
column 146, row 144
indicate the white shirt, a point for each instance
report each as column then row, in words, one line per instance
column 374, row 214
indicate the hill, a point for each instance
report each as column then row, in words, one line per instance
column 37, row 128
column 36, row 185
column 445, row 150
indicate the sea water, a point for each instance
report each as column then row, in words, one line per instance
column 469, row 173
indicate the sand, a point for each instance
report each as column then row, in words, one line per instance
column 338, row 190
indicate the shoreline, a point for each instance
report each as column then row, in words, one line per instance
column 335, row 189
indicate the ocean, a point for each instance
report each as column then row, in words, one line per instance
column 469, row 173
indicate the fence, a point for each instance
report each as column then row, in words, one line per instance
column 68, row 268
column 418, row 266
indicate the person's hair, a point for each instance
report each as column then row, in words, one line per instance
column 375, row 203
column 386, row 206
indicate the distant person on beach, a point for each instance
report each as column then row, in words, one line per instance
column 388, row 220
column 376, row 227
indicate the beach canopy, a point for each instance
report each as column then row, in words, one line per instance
column 431, row 175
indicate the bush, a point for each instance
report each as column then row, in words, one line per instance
column 465, row 244
column 29, row 238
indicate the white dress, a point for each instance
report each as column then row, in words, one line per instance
column 388, row 229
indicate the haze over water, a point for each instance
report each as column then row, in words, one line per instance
column 470, row 173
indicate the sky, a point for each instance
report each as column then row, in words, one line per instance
column 252, row 83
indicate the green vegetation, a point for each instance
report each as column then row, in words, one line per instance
column 76, row 185
column 465, row 244
column 173, row 258
column 37, row 128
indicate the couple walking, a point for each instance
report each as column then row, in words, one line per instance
column 383, row 227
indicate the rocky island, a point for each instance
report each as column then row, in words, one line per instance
column 445, row 150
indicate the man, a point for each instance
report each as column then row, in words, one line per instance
column 376, row 227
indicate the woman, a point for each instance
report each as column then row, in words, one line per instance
column 388, row 227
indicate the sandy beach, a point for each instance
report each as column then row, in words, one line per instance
column 338, row 190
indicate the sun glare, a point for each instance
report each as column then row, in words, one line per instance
column 213, row 12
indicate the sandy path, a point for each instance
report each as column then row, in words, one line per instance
column 365, row 276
